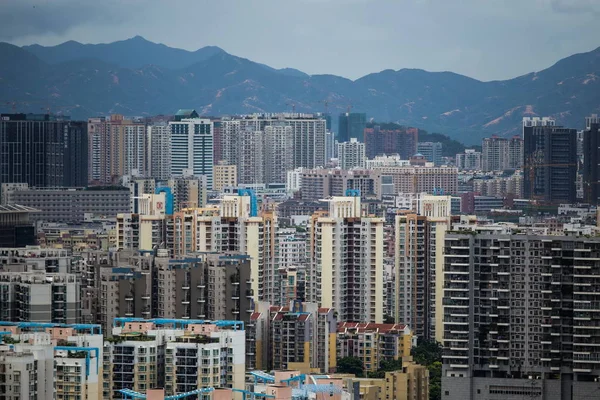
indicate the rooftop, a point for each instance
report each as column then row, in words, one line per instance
column 17, row 208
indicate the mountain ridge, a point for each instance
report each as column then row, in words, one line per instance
column 218, row 83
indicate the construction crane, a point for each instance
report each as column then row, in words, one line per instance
column 293, row 106
column 326, row 104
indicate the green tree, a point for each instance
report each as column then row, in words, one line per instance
column 350, row 365
column 388, row 319
column 429, row 354
column 435, row 381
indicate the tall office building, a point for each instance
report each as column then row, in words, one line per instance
column 351, row 126
column 432, row 151
column 550, row 164
column 351, row 154
column 192, row 147
column 117, row 147
column 494, row 154
column 520, row 316
column 391, row 141
column 42, row 151
column 346, row 261
column 158, row 155
column 591, row 161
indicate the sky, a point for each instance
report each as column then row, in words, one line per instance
column 483, row 39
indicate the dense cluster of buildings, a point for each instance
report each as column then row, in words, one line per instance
column 255, row 255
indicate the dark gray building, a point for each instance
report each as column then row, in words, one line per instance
column 520, row 317
column 71, row 205
column 550, row 164
column 591, row 164
column 42, row 151
column 351, row 126
column 39, row 285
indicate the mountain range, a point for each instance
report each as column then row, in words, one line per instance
column 137, row 77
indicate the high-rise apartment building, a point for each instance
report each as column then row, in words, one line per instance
column 515, row 152
column 302, row 134
column 224, row 175
column 494, row 154
column 399, row 141
column 204, row 286
column 470, row 160
column 418, row 179
column 117, row 147
column 47, row 361
column 43, row 151
column 550, row 164
column 177, row 355
column 351, row 126
column 299, row 337
column 235, row 225
column 416, row 268
column 346, row 261
column 39, row 285
column 351, row 154
column 432, row 151
column 251, row 161
column 319, row 184
column 302, row 338
column 519, row 316
column 158, row 154
column 192, row 147
column 278, row 145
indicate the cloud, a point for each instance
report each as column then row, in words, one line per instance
column 23, row 18
column 576, row 6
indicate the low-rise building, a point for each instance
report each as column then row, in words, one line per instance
column 373, row 343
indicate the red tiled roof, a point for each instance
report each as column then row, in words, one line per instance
column 369, row 327
column 254, row 316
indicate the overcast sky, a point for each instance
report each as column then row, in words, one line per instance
column 484, row 39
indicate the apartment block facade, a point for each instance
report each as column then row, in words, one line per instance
column 346, row 261
column 519, row 316
column 373, row 343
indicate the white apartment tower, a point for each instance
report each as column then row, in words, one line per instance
column 346, row 261
column 494, row 154
column 351, row 154
column 192, row 147
column 470, row 160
